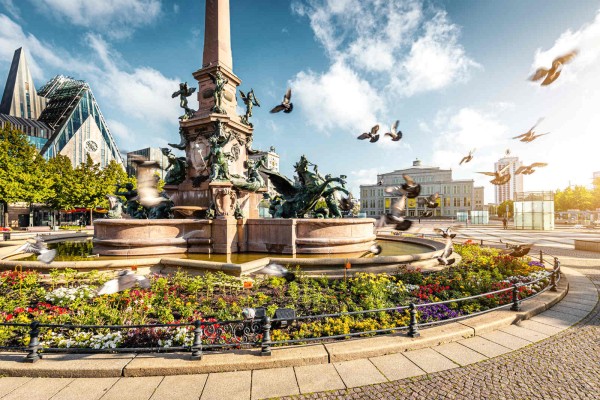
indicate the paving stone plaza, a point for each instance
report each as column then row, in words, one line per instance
column 552, row 355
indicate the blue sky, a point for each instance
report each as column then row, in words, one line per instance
column 453, row 72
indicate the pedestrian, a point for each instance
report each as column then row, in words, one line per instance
column 505, row 222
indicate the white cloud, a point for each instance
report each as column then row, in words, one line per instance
column 11, row 8
column 116, row 18
column 337, row 99
column 379, row 52
column 405, row 46
column 367, row 176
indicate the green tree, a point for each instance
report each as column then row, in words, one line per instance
column 88, row 186
column 22, row 170
column 506, row 209
column 60, row 169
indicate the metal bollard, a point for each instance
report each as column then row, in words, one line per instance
column 34, row 343
column 266, row 339
column 553, row 282
column 197, row 345
column 542, row 257
column 413, row 329
column 516, row 304
column 481, row 244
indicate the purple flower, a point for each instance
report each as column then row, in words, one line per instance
column 437, row 312
column 536, row 264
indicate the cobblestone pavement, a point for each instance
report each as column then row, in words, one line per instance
column 564, row 366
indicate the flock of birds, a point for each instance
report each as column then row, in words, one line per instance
column 502, row 176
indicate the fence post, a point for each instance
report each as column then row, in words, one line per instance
column 541, row 257
column 413, row 329
column 34, row 343
column 266, row 339
column 481, row 243
column 516, row 304
column 555, row 273
column 197, row 345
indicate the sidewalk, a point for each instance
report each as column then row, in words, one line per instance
column 490, row 338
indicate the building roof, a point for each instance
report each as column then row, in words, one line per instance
column 23, row 123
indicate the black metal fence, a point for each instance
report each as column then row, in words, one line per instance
column 219, row 335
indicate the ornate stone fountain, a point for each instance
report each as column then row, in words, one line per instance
column 217, row 187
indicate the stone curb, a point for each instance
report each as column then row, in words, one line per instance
column 107, row 365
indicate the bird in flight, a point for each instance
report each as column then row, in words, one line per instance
column 394, row 217
column 286, row 106
column 373, row 136
column 467, row 158
column 530, row 134
column 446, row 233
column 529, row 169
column 553, row 73
column 394, row 133
column 443, row 258
column 39, row 248
column 500, row 177
column 125, row 280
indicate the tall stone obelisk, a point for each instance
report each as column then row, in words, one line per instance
column 200, row 189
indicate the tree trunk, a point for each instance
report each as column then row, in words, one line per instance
column 5, row 211
column 91, row 215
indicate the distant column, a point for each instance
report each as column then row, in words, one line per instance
column 217, row 36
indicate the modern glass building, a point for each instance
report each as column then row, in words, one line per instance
column 62, row 117
column 534, row 210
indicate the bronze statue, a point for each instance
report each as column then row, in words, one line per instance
column 249, row 100
column 184, row 92
column 254, row 181
column 218, row 158
column 299, row 199
column 116, row 207
column 182, row 141
column 132, row 207
column 176, row 169
column 220, row 83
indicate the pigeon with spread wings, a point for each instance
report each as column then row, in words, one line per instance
column 529, row 169
column 446, row 233
column 286, row 106
column 39, row 248
column 394, row 217
column 125, row 280
column 373, row 136
column 443, row 259
column 553, row 73
column 394, row 133
column 500, row 177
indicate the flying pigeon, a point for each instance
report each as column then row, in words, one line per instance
column 39, row 248
column 517, row 250
column 394, row 133
column 147, row 182
column 125, row 280
column 285, row 105
column 446, row 233
column 529, row 169
column 467, row 158
column 554, row 72
column 443, row 259
column 430, row 201
column 500, row 177
column 276, row 270
column 373, row 136
column 394, row 218
column 411, row 188
column 426, row 214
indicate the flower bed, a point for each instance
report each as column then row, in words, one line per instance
column 62, row 298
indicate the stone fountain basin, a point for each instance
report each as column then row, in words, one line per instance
column 131, row 237
column 332, row 267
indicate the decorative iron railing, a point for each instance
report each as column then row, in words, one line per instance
column 219, row 335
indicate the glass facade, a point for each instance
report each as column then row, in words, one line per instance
column 480, row 217
column 534, row 210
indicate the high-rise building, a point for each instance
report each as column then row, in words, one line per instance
column 62, row 117
column 515, row 184
column 454, row 195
